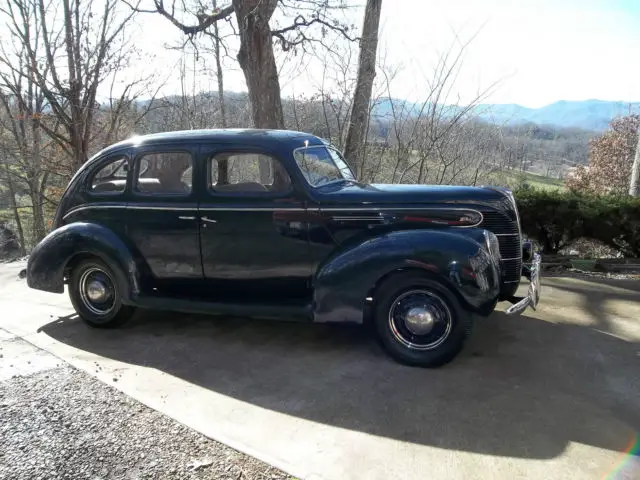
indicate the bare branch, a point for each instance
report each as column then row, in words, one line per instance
column 204, row 20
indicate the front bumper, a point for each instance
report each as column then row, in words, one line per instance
column 533, row 294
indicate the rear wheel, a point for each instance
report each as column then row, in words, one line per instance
column 419, row 321
column 95, row 296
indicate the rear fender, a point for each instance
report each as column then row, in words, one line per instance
column 47, row 262
column 343, row 282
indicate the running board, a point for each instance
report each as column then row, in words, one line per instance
column 298, row 313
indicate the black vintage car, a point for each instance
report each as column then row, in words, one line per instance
column 273, row 224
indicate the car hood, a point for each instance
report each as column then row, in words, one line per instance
column 352, row 194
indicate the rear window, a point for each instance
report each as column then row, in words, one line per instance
column 165, row 173
column 111, row 177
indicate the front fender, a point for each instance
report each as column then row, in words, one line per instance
column 343, row 282
column 47, row 262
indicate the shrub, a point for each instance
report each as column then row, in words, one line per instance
column 555, row 218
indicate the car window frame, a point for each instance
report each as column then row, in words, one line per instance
column 328, row 147
column 100, row 164
column 252, row 195
column 157, row 149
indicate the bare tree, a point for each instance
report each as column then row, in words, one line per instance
column 634, row 187
column 6, row 176
column 217, row 43
column 256, row 52
column 53, row 61
column 429, row 141
column 328, row 108
column 78, row 49
column 23, row 103
column 366, row 73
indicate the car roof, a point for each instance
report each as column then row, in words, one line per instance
column 250, row 136
column 246, row 136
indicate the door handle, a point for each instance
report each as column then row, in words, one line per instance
column 186, row 218
column 209, row 220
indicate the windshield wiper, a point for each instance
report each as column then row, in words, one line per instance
column 337, row 180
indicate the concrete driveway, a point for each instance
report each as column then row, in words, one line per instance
column 551, row 394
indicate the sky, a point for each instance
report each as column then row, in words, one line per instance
column 531, row 53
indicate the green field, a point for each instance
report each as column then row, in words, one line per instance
column 516, row 179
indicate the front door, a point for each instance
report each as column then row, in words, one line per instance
column 253, row 229
column 163, row 219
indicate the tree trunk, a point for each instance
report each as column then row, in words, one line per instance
column 14, row 208
column 258, row 64
column 219, row 74
column 38, row 232
column 223, row 167
column 364, row 85
column 35, row 191
column 634, row 187
column 75, row 108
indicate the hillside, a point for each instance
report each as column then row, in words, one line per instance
column 524, row 146
column 587, row 114
column 592, row 115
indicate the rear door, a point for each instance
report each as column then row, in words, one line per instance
column 253, row 229
column 163, row 218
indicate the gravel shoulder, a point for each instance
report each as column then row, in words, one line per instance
column 61, row 423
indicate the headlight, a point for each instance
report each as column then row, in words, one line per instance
column 512, row 199
column 493, row 246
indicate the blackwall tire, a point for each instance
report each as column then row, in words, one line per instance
column 420, row 322
column 95, row 295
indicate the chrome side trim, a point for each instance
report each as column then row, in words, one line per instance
column 124, row 206
column 514, row 258
column 88, row 207
column 402, row 209
column 506, row 234
column 166, row 208
column 389, row 209
column 290, row 209
column 251, row 209
column 357, row 219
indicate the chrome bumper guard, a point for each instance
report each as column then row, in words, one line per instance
column 533, row 294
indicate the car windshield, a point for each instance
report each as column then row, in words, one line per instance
column 321, row 165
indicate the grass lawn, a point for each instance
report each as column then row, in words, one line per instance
column 514, row 179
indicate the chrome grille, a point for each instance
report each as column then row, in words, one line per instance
column 498, row 223
column 511, row 271
column 509, row 239
column 510, row 246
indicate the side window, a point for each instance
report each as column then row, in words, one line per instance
column 165, row 173
column 239, row 172
column 111, row 177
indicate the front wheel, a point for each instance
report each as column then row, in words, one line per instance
column 419, row 321
column 95, row 297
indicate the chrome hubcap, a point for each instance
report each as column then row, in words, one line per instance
column 420, row 319
column 97, row 291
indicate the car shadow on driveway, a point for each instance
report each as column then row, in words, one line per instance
column 523, row 387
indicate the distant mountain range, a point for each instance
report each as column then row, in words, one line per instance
column 586, row 114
